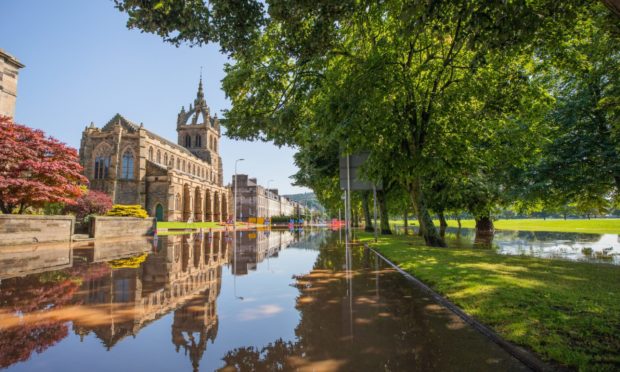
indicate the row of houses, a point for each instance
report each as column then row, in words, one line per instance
column 256, row 201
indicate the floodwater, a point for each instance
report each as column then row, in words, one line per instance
column 280, row 300
column 592, row 248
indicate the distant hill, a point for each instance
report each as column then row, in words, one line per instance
column 308, row 199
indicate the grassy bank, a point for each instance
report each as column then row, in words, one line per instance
column 568, row 312
column 594, row 226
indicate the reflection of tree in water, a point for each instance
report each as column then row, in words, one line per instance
column 332, row 334
column 38, row 293
column 546, row 236
column 464, row 237
column 273, row 357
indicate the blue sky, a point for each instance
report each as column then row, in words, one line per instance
column 83, row 65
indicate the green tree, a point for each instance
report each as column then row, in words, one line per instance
column 400, row 79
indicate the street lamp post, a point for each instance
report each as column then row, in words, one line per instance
column 235, row 203
column 269, row 202
column 235, row 234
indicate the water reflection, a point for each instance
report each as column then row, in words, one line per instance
column 594, row 248
column 115, row 298
column 306, row 305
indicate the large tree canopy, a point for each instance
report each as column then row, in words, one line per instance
column 449, row 97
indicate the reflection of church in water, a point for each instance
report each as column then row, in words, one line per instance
column 115, row 288
column 182, row 275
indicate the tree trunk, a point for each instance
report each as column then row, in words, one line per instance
column 484, row 225
column 483, row 239
column 458, row 220
column 442, row 220
column 406, row 220
column 427, row 228
column 385, row 220
column 368, row 227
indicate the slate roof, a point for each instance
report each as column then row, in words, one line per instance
column 132, row 127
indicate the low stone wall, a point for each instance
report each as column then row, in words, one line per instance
column 103, row 227
column 27, row 229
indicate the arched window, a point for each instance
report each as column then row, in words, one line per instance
column 188, row 141
column 194, row 169
column 177, row 201
column 183, row 166
column 158, row 157
column 166, row 159
column 150, row 153
column 102, row 165
column 198, row 141
column 127, row 168
column 179, row 164
column 214, row 146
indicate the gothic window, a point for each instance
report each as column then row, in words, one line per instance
column 198, row 141
column 150, row 153
column 194, row 169
column 158, row 157
column 102, row 165
column 179, row 164
column 183, row 166
column 165, row 159
column 127, row 168
column 177, row 201
column 188, row 141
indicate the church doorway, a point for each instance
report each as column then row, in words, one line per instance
column 159, row 212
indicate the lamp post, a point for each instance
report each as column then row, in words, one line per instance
column 235, row 234
column 235, row 211
column 269, row 202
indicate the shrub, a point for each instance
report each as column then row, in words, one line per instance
column 120, row 210
column 281, row 219
column 91, row 203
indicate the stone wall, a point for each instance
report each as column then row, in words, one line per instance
column 103, row 227
column 27, row 229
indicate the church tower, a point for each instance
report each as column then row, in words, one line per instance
column 199, row 132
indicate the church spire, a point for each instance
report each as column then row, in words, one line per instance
column 200, row 95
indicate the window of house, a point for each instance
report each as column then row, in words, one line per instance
column 166, row 159
column 150, row 153
column 188, row 141
column 102, row 165
column 127, row 165
column 198, row 141
column 179, row 164
column 158, row 157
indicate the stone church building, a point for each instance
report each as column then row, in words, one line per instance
column 172, row 181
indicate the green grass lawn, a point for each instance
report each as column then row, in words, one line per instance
column 594, row 226
column 564, row 311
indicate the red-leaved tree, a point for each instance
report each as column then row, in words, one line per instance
column 91, row 202
column 35, row 169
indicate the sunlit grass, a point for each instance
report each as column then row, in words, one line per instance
column 564, row 311
column 594, row 226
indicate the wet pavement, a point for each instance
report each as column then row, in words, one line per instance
column 279, row 301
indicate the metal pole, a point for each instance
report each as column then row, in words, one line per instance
column 235, row 203
column 269, row 202
column 348, row 195
column 374, row 201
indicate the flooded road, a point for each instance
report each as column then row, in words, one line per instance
column 280, row 301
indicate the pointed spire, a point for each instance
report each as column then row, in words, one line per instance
column 200, row 94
